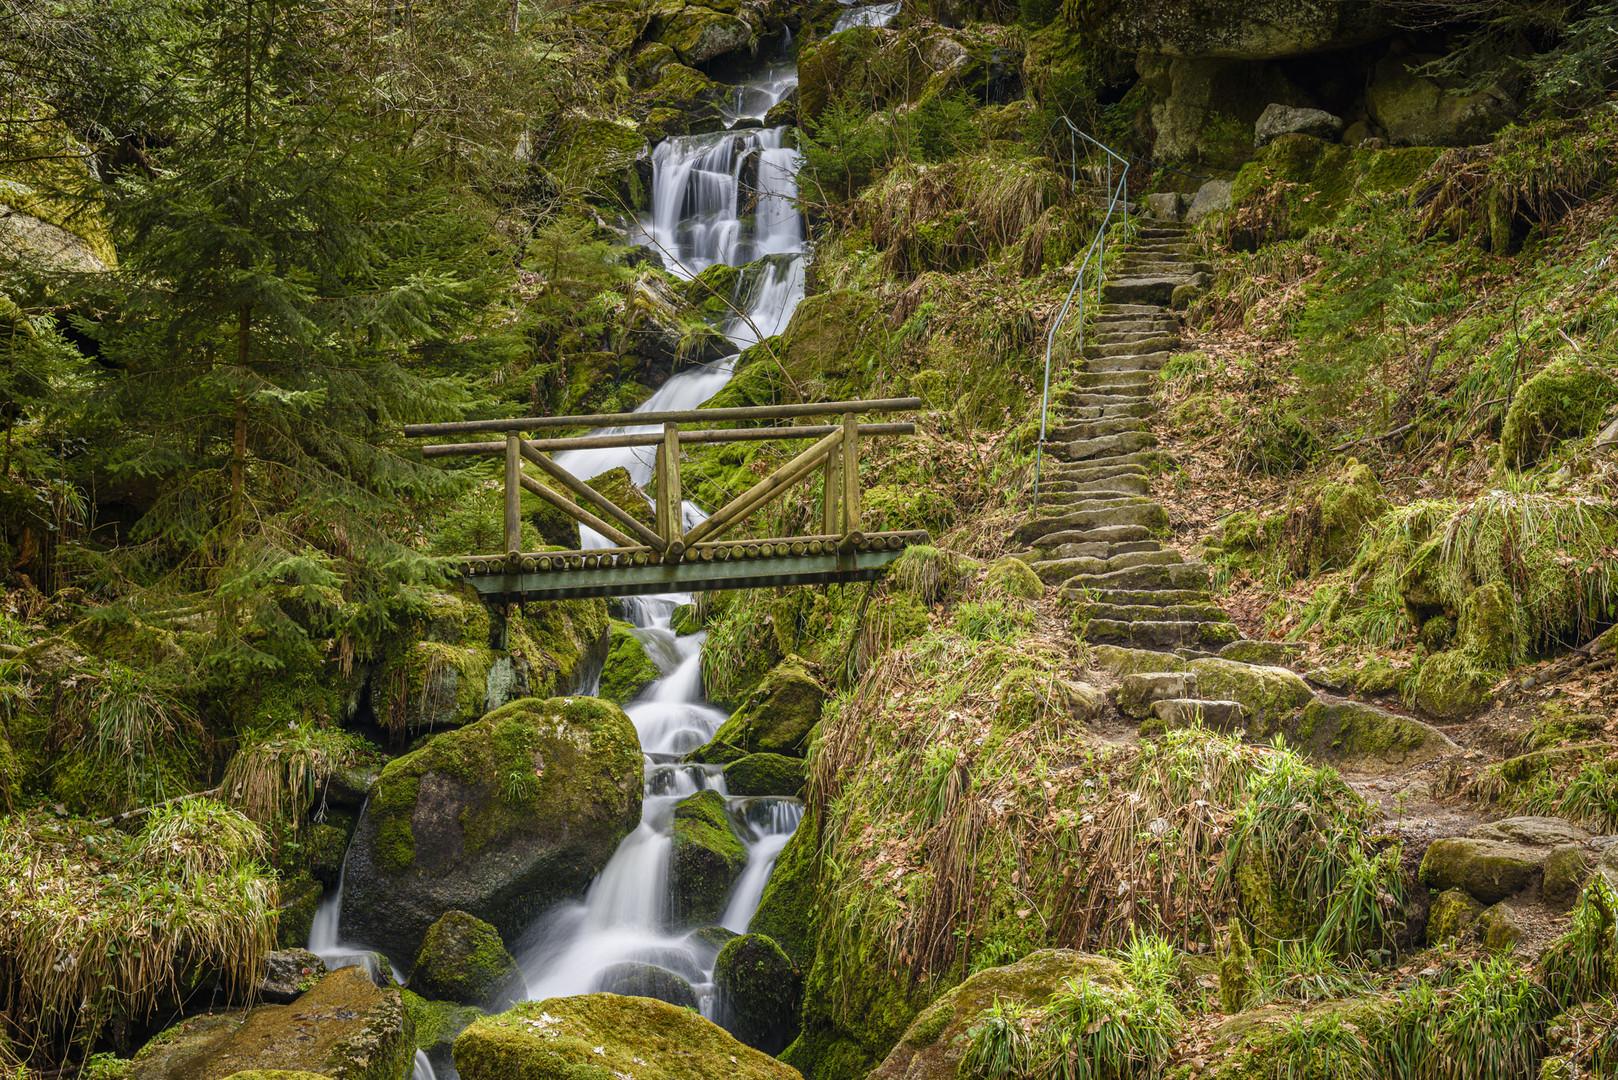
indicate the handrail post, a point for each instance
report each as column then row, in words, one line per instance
column 513, row 494
column 851, row 477
column 668, row 492
column 830, row 511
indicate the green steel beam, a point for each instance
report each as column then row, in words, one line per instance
column 684, row 577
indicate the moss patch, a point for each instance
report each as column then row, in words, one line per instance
column 628, row 670
column 775, row 718
column 765, row 774
column 464, row 961
column 706, row 859
column 759, row 990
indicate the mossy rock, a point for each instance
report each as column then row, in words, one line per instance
column 1236, row 976
column 1271, row 695
column 300, row 898
column 1353, row 735
column 1566, row 870
column 1498, row 929
column 1292, row 1040
column 601, row 1036
column 765, row 774
column 438, row 1023
column 645, row 980
column 463, row 960
column 700, row 34
column 1013, row 578
column 1452, row 914
column 831, row 335
column 599, row 155
column 683, row 101
column 1121, row 661
column 706, row 859
column 1452, row 686
column 713, row 292
column 1487, row 870
column 1337, row 513
column 786, row 910
column 345, row 1028
column 628, row 670
column 935, row 1043
column 1489, row 629
column 1297, row 183
column 499, row 819
column 324, row 846
column 855, row 1011
column 1267, row 900
column 1567, row 399
column 902, row 507
column 824, row 67
column 759, row 991
column 551, row 648
column 775, row 718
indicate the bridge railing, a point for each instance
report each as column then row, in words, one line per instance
column 834, row 457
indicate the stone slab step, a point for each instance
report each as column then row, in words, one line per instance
column 1091, row 429
column 1111, row 534
column 1149, row 598
column 1056, row 571
column 1205, row 612
column 1178, row 713
column 1153, row 634
column 1142, row 512
column 1067, row 502
column 1125, row 442
column 1128, row 362
column 1097, row 549
column 1138, row 463
column 1158, row 290
column 1140, row 407
column 1186, row 575
column 1127, row 402
column 1131, row 309
column 1130, row 483
column 1145, row 344
column 1111, row 382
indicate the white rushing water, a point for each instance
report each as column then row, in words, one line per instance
column 865, row 15
column 725, row 198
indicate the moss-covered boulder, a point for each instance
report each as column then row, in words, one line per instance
column 775, row 718
column 1121, row 661
column 300, row 897
column 759, row 991
column 765, row 774
column 438, row 1023
column 1262, row 30
column 1419, row 111
column 1271, row 695
column 787, row 908
column 463, row 960
column 1353, row 735
column 1452, row 685
column 1487, row 870
column 682, row 101
column 1567, row 868
column 705, row 861
column 699, row 34
column 830, row 335
column 1451, row 915
column 1013, row 578
column 1297, row 183
column 935, row 1043
column 345, row 1028
column 600, row 1036
column 1569, row 398
column 646, row 980
column 628, row 670
column 499, row 819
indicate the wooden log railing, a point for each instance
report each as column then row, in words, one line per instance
column 834, row 455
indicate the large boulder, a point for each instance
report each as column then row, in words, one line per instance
column 464, row 961
column 632, row 979
column 1353, row 735
column 1256, row 30
column 1205, row 109
column 936, row 1041
column 700, row 34
column 759, row 990
column 776, row 717
column 706, row 859
column 1487, row 870
column 765, row 774
column 1534, row 831
column 1277, row 120
column 1417, row 111
column 345, row 1028
column 628, row 671
column 597, row 1036
column 1271, row 695
column 499, row 819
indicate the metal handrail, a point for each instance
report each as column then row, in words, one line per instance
column 1096, row 252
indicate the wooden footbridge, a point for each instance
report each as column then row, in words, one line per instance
column 668, row 557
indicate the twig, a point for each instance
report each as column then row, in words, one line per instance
column 116, row 818
column 1400, row 430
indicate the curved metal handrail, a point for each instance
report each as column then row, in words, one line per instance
column 1117, row 191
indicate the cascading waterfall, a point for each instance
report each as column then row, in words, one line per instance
column 865, row 15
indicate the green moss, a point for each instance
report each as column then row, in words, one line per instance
column 600, row 1036
column 554, row 642
column 1270, row 694
column 832, row 335
column 1013, row 578
column 1452, row 686
column 437, row 1023
column 775, row 718
column 765, row 774
column 1489, row 630
column 300, row 897
column 713, row 292
column 1452, row 914
column 1350, row 734
column 759, row 989
column 1567, row 399
column 1266, row 899
column 1297, row 183
column 706, row 859
column 1120, row 661
column 628, row 670
column 786, row 912
column 892, row 508
column 463, row 960
column 1236, row 976
column 598, row 155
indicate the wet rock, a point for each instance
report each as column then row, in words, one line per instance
column 759, row 990
column 786, row 910
column 1278, row 120
column 300, row 897
column 288, row 973
column 499, row 819
column 1136, row 693
column 1538, row 831
column 765, row 774
column 936, row 1040
column 776, row 717
column 1417, row 111
column 608, row 1035
column 666, row 332
column 706, row 859
column 1351, row 734
column 1452, row 914
column 463, row 960
column 437, row 1025
column 647, row 981
column 344, row 1027
column 1488, row 870
column 1566, row 870
column 628, row 670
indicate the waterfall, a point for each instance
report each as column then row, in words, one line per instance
column 865, row 15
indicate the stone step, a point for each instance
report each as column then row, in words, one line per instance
column 1146, row 362
column 1130, row 309
column 1141, row 400
column 1126, row 483
column 1056, row 571
column 1141, row 511
column 1185, row 575
column 1150, row 289
column 1140, row 406
column 1207, row 611
column 1157, row 328
column 1109, row 534
column 1091, row 429
column 1125, row 442
column 1184, row 712
column 1164, row 267
column 1097, row 470
column 1162, row 228
column 1153, row 634
column 1111, row 382
column 1145, row 343
column 1068, row 502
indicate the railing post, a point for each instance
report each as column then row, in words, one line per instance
column 670, row 501
column 851, row 476
column 513, row 494
column 830, row 511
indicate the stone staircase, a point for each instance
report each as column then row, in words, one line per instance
column 1093, row 533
